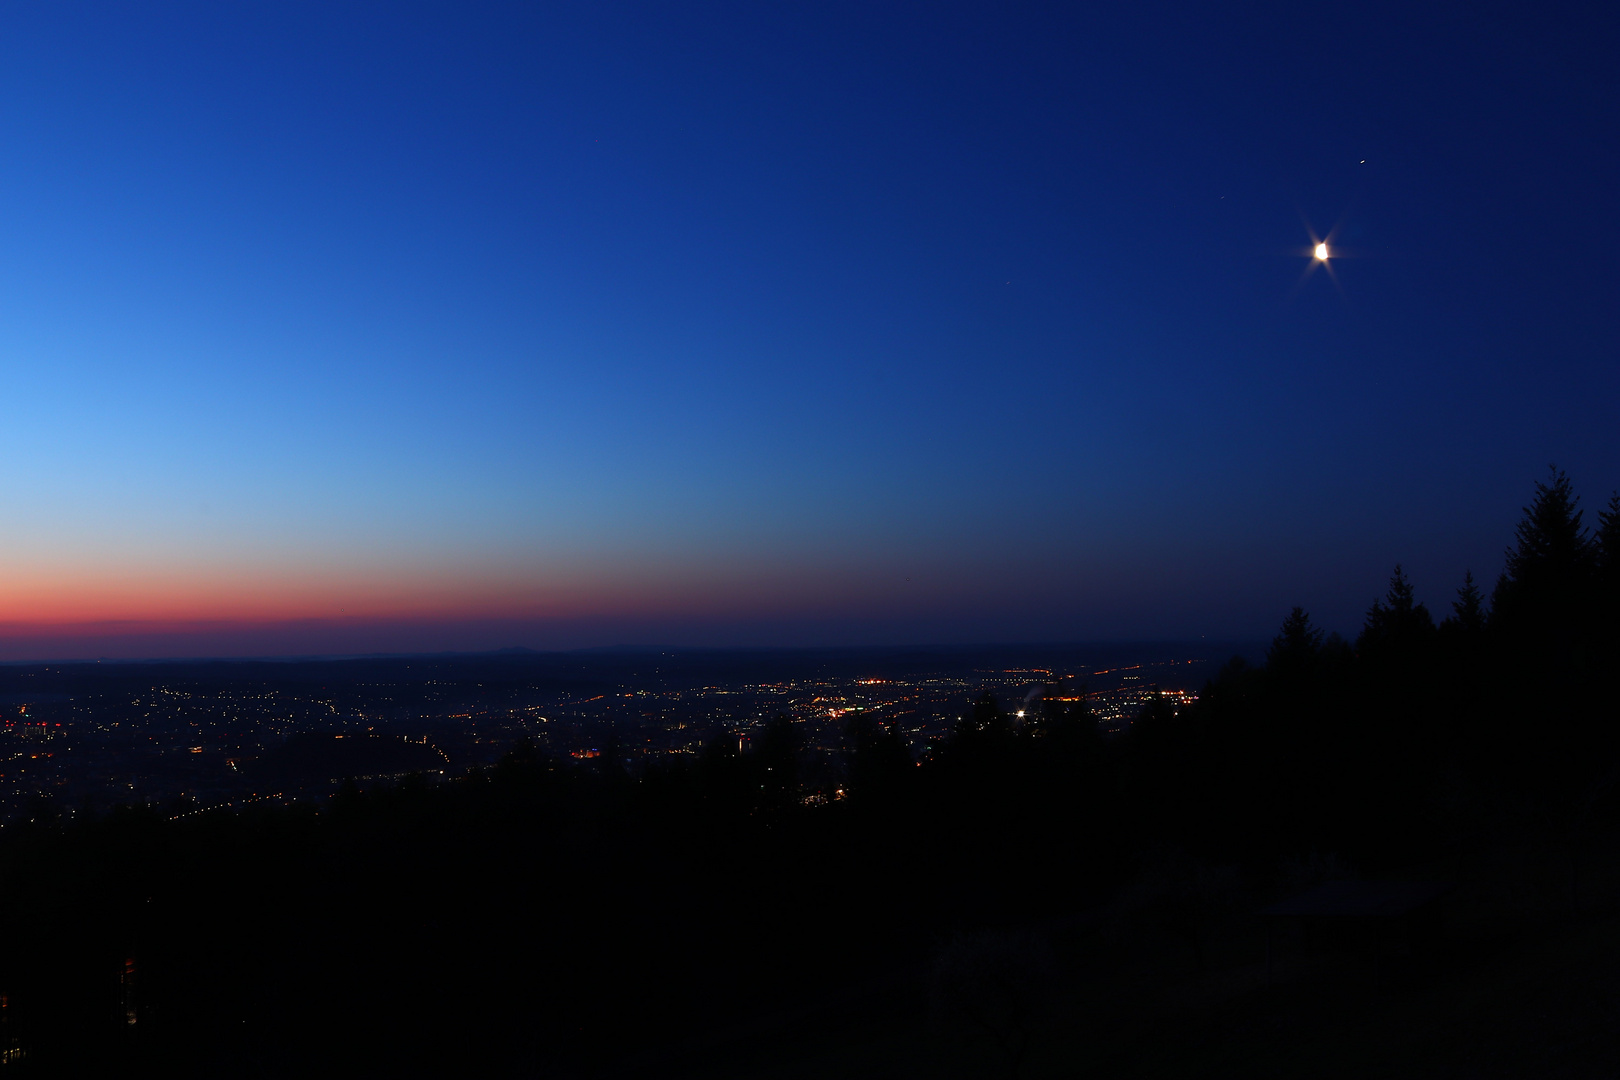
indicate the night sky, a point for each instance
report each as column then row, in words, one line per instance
column 333, row 328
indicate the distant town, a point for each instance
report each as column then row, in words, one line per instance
column 191, row 738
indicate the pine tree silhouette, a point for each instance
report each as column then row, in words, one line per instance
column 1547, row 576
column 1396, row 623
column 1468, row 610
column 1294, row 650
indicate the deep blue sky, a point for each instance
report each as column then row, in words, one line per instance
column 574, row 324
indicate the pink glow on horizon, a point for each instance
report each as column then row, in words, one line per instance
column 60, row 612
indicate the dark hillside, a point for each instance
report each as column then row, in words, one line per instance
column 1029, row 898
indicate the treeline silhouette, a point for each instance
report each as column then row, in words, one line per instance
column 555, row 917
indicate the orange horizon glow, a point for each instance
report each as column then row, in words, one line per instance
column 61, row 601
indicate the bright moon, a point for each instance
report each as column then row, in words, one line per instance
column 1321, row 252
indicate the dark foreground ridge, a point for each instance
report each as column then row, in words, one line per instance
column 1028, row 896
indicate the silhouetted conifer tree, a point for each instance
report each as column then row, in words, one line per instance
column 1398, row 657
column 1468, row 610
column 1546, row 585
column 1397, row 624
column 1545, row 616
column 1294, row 650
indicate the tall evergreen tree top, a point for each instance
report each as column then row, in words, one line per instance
column 1550, row 539
column 1401, row 596
column 1296, row 645
column 1547, row 574
column 1468, row 610
column 1397, row 617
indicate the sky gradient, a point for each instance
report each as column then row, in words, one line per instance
column 344, row 328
